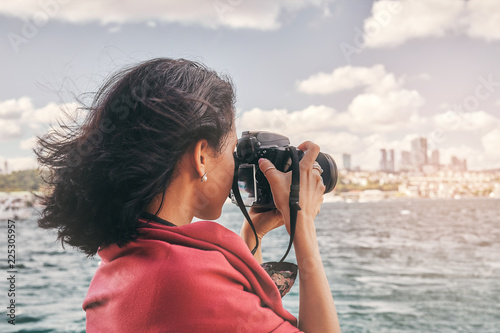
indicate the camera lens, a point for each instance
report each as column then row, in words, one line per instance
column 330, row 174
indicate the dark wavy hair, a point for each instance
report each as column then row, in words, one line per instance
column 104, row 173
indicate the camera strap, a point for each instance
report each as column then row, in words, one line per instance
column 294, row 196
column 293, row 201
column 239, row 200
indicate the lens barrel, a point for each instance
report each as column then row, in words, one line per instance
column 330, row 172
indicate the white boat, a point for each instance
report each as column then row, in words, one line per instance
column 14, row 209
column 496, row 192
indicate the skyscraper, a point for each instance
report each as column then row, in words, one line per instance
column 405, row 163
column 346, row 158
column 390, row 163
column 383, row 160
column 419, row 152
column 435, row 157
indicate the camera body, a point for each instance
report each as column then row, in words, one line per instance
column 252, row 183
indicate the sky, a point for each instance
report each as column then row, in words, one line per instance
column 353, row 76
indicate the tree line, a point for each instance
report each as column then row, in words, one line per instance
column 24, row 180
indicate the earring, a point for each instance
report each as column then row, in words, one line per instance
column 204, row 178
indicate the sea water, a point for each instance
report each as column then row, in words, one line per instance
column 393, row 266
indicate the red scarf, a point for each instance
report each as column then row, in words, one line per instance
column 199, row 277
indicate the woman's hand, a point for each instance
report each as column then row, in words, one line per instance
column 316, row 310
column 311, row 184
column 310, row 200
column 264, row 220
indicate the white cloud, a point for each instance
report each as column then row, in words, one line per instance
column 315, row 123
column 13, row 108
column 335, row 142
column 484, row 19
column 385, row 105
column 9, row 129
column 364, row 132
column 49, row 114
column 379, row 117
column 312, row 118
column 490, row 143
column 18, row 163
column 10, row 113
column 335, row 132
column 430, row 18
column 386, row 109
column 16, row 115
column 467, row 121
column 384, row 112
column 349, row 77
column 259, row 119
column 416, row 19
column 28, row 144
column 476, row 159
column 257, row 14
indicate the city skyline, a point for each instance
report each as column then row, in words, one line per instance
column 418, row 158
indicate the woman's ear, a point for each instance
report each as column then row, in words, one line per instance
column 199, row 157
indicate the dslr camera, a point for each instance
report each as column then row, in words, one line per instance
column 252, row 183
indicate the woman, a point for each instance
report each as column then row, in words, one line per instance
column 155, row 151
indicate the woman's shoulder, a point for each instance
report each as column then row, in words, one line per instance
column 150, row 269
column 203, row 235
column 183, row 272
column 185, row 253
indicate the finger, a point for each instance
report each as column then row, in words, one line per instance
column 319, row 172
column 320, row 178
column 311, row 151
column 268, row 169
